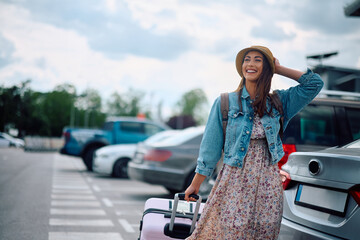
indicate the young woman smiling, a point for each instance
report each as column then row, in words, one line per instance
column 246, row 200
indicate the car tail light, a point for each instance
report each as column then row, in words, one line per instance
column 355, row 193
column 285, row 178
column 157, row 155
column 66, row 136
column 288, row 149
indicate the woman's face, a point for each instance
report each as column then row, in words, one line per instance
column 252, row 66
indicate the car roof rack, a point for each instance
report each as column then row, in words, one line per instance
column 339, row 94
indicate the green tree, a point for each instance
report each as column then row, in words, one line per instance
column 192, row 103
column 128, row 104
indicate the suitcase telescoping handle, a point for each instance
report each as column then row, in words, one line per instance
column 181, row 196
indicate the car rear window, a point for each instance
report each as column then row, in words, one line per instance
column 184, row 136
column 314, row 125
column 134, row 127
column 353, row 116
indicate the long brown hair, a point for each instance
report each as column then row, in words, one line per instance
column 263, row 85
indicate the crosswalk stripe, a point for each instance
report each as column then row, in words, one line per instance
column 76, row 203
column 126, row 225
column 81, row 222
column 80, row 191
column 107, row 202
column 83, row 197
column 71, row 186
column 84, row 235
column 60, row 211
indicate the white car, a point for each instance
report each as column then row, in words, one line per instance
column 8, row 141
column 112, row 160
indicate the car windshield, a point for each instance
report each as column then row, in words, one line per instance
column 182, row 136
column 355, row 144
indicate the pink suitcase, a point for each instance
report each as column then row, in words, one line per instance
column 162, row 219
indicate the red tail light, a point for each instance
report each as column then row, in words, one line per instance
column 288, row 149
column 66, row 136
column 157, row 155
column 285, row 178
column 355, row 193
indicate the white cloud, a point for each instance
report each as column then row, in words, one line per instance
column 52, row 55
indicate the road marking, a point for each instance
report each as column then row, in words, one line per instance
column 70, row 187
column 120, row 202
column 126, row 225
column 129, row 213
column 96, row 188
column 67, row 211
column 89, row 179
column 81, row 222
column 79, row 197
column 84, row 235
column 107, row 202
column 72, row 191
column 76, row 203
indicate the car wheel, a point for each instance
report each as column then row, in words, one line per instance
column 120, row 168
column 88, row 158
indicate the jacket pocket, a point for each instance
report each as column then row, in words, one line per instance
column 232, row 130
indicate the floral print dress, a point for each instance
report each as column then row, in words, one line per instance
column 245, row 203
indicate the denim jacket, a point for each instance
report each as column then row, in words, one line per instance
column 240, row 125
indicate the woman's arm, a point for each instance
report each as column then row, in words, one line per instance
column 287, row 72
column 194, row 186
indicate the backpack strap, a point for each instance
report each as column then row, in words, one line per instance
column 278, row 105
column 224, row 111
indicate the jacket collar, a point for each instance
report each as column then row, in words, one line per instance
column 245, row 94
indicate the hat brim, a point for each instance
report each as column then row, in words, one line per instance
column 240, row 56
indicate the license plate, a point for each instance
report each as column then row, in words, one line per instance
column 322, row 199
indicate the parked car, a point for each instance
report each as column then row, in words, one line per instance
column 322, row 194
column 325, row 122
column 113, row 159
column 83, row 143
column 8, row 141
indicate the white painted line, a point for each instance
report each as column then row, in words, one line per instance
column 126, row 225
column 75, row 197
column 120, row 202
column 129, row 213
column 66, row 211
column 96, row 188
column 81, row 222
column 70, row 187
column 72, row 191
column 107, row 202
column 89, row 179
column 84, row 235
column 76, row 203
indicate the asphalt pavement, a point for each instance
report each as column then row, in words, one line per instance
column 49, row 196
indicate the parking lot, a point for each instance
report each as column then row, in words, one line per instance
column 68, row 201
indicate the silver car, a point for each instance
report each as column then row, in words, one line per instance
column 322, row 194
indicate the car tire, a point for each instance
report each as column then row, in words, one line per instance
column 88, row 158
column 120, row 168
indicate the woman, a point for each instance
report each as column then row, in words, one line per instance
column 246, row 200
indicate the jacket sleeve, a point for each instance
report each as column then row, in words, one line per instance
column 212, row 142
column 296, row 98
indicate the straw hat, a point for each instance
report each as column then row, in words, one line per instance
column 264, row 50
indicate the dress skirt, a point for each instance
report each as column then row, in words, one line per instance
column 245, row 203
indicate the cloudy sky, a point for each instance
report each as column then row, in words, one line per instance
column 165, row 47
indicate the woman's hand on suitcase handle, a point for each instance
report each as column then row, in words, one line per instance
column 194, row 187
column 189, row 192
